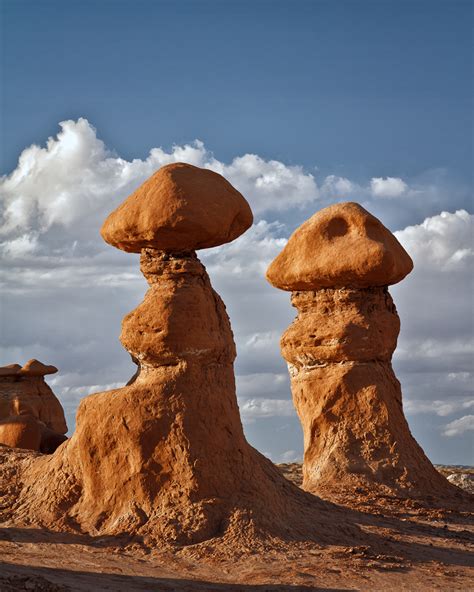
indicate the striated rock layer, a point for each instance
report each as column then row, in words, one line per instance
column 348, row 398
column 339, row 351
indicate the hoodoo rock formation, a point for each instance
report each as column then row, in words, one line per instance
column 338, row 265
column 165, row 457
column 31, row 416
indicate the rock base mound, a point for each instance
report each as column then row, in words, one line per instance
column 165, row 458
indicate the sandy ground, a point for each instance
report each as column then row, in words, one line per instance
column 411, row 548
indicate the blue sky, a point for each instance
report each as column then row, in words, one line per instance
column 299, row 103
column 361, row 88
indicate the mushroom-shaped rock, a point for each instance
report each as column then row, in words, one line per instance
column 28, row 412
column 342, row 245
column 180, row 208
column 339, row 351
column 27, row 386
column 10, row 370
column 165, row 457
column 36, row 368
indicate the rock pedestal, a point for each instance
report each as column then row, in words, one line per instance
column 169, row 447
column 338, row 265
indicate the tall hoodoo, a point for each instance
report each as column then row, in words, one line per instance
column 338, row 266
column 165, row 457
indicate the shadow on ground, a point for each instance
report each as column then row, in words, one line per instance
column 13, row 534
column 18, row 577
column 410, row 541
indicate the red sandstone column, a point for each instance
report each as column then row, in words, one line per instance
column 338, row 265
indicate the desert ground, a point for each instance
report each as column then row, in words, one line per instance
column 410, row 548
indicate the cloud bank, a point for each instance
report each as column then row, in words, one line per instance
column 64, row 292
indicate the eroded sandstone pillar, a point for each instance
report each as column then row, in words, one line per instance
column 338, row 266
column 165, row 457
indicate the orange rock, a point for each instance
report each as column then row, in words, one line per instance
column 10, row 370
column 20, row 432
column 339, row 351
column 177, row 319
column 355, row 432
column 165, row 457
column 340, row 325
column 36, row 368
column 29, row 387
column 340, row 246
column 181, row 207
column 20, row 426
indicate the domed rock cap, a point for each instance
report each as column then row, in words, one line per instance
column 36, row 368
column 342, row 245
column 180, row 208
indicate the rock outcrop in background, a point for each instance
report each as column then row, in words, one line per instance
column 338, row 265
column 31, row 416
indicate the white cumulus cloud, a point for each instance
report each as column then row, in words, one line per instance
column 388, row 186
column 440, row 408
column 61, row 193
column 459, row 426
column 290, row 456
column 442, row 242
column 251, row 409
column 335, row 187
column 64, row 292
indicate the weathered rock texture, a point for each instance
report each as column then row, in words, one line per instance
column 19, row 428
column 340, row 246
column 31, row 416
column 196, row 209
column 339, row 348
column 165, row 457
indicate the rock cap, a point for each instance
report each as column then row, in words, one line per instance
column 342, row 245
column 35, row 368
column 10, row 370
column 181, row 207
